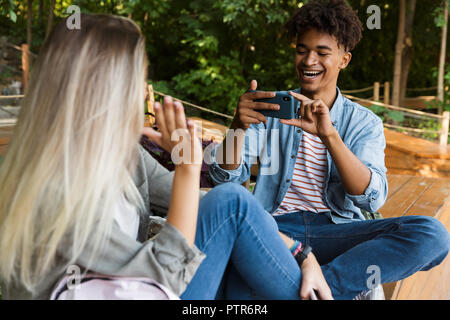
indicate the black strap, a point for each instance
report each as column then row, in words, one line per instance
column 302, row 254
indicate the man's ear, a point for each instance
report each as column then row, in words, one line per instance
column 345, row 60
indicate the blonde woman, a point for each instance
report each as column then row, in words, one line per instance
column 76, row 188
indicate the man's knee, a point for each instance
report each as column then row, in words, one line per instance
column 434, row 237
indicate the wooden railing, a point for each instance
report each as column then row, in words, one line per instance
column 444, row 119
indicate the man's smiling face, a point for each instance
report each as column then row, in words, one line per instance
column 318, row 60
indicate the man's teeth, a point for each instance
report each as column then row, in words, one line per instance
column 311, row 74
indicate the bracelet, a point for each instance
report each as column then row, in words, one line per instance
column 296, row 247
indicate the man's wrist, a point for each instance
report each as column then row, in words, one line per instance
column 330, row 138
column 302, row 255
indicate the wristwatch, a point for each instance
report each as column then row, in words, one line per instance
column 301, row 256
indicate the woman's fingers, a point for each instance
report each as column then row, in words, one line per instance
column 153, row 135
column 160, row 119
column 180, row 117
column 169, row 114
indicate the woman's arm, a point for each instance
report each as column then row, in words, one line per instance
column 179, row 138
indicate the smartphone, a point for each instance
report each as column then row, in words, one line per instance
column 288, row 106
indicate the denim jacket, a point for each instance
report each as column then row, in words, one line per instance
column 274, row 147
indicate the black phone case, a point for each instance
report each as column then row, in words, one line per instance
column 288, row 106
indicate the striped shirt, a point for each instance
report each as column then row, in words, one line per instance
column 306, row 190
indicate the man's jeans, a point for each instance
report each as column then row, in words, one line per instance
column 235, row 231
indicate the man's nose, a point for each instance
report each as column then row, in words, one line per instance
column 310, row 59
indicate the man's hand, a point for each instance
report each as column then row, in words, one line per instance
column 314, row 117
column 245, row 111
column 313, row 279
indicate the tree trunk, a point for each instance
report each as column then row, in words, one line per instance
column 441, row 70
column 29, row 22
column 399, row 53
column 408, row 53
column 50, row 18
column 41, row 14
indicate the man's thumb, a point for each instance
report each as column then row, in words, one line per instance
column 253, row 85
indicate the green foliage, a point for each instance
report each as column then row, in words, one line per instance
column 438, row 13
column 443, row 105
column 7, row 9
column 396, row 116
column 207, row 51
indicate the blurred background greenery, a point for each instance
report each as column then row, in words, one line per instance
column 207, row 51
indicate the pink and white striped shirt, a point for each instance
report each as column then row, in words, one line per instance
column 308, row 179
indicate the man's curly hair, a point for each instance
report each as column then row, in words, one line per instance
column 334, row 17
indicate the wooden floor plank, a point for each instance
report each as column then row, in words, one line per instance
column 438, row 278
column 395, row 182
column 432, row 200
column 404, row 198
column 432, row 284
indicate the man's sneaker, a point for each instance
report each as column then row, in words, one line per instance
column 376, row 293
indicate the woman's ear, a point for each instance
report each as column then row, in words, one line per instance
column 345, row 60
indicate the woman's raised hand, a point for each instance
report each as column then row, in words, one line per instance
column 175, row 135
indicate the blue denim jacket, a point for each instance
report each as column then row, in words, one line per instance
column 275, row 148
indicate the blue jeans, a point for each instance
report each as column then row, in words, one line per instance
column 246, row 258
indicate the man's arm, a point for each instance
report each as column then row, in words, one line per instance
column 354, row 174
column 245, row 116
column 315, row 119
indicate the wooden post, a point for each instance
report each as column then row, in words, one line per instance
column 387, row 91
column 25, row 65
column 444, row 128
column 376, row 91
column 150, row 119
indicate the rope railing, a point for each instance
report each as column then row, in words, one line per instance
column 388, row 106
column 359, row 90
column 196, row 106
column 412, row 129
column 19, row 96
column 421, row 89
column 34, row 55
column 444, row 119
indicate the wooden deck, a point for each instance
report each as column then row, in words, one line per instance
column 411, row 194
column 415, row 156
column 415, row 195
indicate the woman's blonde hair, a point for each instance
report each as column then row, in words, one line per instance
column 74, row 148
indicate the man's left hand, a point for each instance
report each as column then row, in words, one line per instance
column 314, row 117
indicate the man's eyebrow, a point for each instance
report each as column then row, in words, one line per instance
column 320, row 47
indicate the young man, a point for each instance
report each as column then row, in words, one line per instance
column 330, row 166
